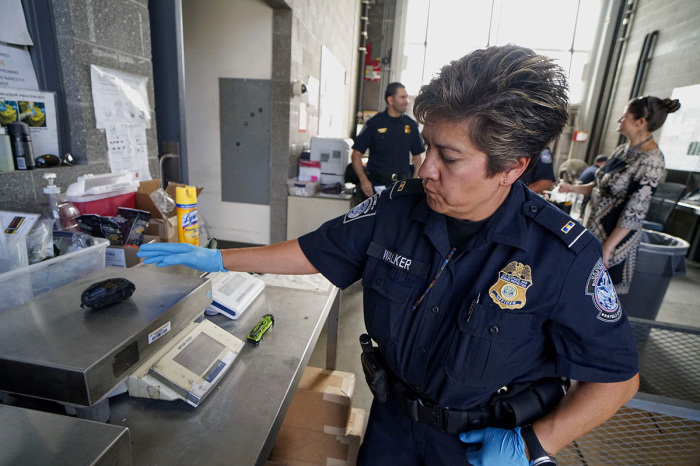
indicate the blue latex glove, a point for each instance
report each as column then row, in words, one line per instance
column 164, row 254
column 497, row 447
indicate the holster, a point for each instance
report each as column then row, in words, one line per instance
column 375, row 373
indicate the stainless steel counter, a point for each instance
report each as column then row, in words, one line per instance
column 239, row 421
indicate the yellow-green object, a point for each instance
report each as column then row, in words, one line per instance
column 186, row 207
column 261, row 329
column 8, row 115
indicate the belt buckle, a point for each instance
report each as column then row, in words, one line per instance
column 437, row 417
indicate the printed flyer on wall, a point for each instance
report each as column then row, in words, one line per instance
column 38, row 110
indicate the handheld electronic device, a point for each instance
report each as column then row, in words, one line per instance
column 232, row 293
column 261, row 329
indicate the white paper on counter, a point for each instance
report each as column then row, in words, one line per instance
column 38, row 110
column 119, row 97
column 14, row 25
column 16, row 69
column 315, row 282
column 127, row 148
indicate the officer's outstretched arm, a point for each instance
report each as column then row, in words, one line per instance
column 282, row 258
column 585, row 406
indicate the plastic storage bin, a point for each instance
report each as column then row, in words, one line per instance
column 303, row 188
column 660, row 258
column 20, row 285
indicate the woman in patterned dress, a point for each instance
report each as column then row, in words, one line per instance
column 622, row 189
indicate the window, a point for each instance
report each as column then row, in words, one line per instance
column 438, row 31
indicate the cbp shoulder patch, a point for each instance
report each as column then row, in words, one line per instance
column 364, row 209
column 602, row 292
column 546, row 156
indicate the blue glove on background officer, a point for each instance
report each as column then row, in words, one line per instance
column 164, row 254
column 499, row 447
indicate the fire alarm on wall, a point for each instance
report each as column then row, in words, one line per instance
column 580, row 136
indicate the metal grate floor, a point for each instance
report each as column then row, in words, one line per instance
column 661, row 425
column 637, row 437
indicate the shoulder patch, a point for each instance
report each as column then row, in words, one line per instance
column 364, row 209
column 572, row 233
column 409, row 186
column 546, row 156
column 600, row 288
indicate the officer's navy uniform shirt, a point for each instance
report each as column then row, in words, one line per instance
column 542, row 170
column 389, row 141
column 570, row 323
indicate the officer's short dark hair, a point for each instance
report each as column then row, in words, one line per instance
column 600, row 159
column 391, row 90
column 513, row 101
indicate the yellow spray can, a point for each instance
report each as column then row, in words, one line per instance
column 186, row 205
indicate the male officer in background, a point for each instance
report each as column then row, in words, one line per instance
column 390, row 136
column 540, row 177
column 471, row 282
column 588, row 175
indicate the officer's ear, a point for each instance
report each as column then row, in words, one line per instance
column 515, row 170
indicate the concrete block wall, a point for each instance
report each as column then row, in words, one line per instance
column 110, row 33
column 674, row 62
column 300, row 29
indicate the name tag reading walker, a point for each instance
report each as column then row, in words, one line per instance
column 417, row 268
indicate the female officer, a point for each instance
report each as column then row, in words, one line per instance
column 622, row 189
column 471, row 281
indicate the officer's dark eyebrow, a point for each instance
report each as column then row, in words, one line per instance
column 442, row 146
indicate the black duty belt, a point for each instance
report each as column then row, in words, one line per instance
column 516, row 405
column 387, row 178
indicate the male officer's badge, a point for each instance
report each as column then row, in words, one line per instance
column 407, row 129
column 381, row 130
column 513, row 281
column 602, row 291
column 366, row 208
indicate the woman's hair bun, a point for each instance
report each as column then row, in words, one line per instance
column 671, row 105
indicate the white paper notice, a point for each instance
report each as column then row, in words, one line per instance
column 127, row 147
column 38, row 110
column 119, row 97
column 14, row 26
column 16, row 69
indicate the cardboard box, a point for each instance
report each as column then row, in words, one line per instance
column 125, row 256
column 296, row 446
column 164, row 228
column 322, row 400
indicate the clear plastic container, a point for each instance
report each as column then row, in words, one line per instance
column 20, row 285
column 303, row 188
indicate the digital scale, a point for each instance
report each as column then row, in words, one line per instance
column 148, row 344
column 232, row 293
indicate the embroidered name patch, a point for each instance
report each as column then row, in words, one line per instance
column 513, row 281
column 414, row 267
column 364, row 209
column 602, row 292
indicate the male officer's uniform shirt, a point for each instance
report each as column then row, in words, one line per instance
column 389, row 141
column 526, row 297
column 542, row 170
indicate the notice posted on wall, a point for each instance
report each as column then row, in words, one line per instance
column 16, row 69
column 38, row 110
column 680, row 135
column 119, row 97
column 127, row 148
